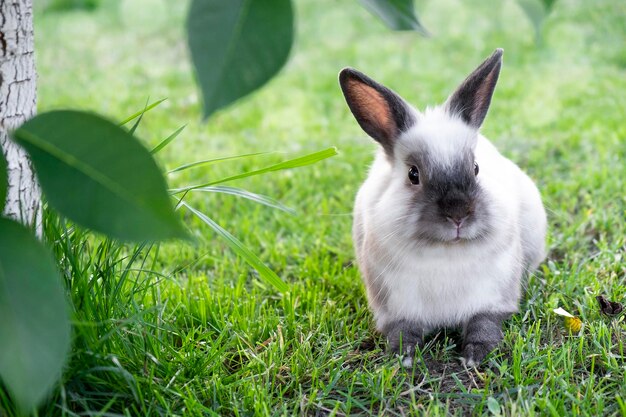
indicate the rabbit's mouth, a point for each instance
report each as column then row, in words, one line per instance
column 459, row 225
column 458, row 238
column 464, row 231
column 433, row 227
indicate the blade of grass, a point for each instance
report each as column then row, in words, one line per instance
column 139, row 113
column 261, row 199
column 167, row 140
column 136, row 125
column 243, row 251
column 214, row 160
column 292, row 163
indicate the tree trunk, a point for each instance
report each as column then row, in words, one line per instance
column 18, row 98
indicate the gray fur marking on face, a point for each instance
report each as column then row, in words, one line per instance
column 447, row 191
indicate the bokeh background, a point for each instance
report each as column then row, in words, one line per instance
column 200, row 333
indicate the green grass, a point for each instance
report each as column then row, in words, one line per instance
column 192, row 330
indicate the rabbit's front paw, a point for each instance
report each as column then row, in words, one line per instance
column 403, row 337
column 474, row 353
column 407, row 354
column 483, row 332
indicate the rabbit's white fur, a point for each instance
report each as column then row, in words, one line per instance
column 444, row 226
column 446, row 283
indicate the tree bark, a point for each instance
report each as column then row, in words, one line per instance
column 18, row 99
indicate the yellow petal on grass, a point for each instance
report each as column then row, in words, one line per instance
column 572, row 323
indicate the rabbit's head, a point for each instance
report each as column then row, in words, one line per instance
column 433, row 185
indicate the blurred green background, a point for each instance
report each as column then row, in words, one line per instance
column 201, row 334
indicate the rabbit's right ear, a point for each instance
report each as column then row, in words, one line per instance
column 381, row 113
column 471, row 100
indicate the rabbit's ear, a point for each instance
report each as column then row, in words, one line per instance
column 381, row 113
column 471, row 100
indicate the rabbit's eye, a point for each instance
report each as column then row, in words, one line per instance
column 414, row 175
column 475, row 168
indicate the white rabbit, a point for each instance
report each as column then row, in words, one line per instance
column 444, row 226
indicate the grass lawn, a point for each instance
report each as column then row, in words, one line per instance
column 186, row 329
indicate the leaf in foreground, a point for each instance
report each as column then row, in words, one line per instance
column 396, row 14
column 34, row 324
column 536, row 11
column 242, row 250
column 4, row 181
column 99, row 176
column 237, row 46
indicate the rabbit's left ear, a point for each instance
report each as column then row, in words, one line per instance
column 471, row 100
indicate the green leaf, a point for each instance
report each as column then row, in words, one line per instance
column 536, row 11
column 4, row 181
column 396, row 14
column 141, row 112
column 548, row 4
column 493, row 406
column 34, row 323
column 237, row 46
column 99, row 176
column 70, row 5
column 292, row 163
column 167, row 140
column 243, row 251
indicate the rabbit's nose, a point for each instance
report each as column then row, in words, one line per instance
column 455, row 209
column 458, row 222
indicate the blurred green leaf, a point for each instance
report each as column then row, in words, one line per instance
column 548, row 4
column 240, row 249
column 34, row 323
column 537, row 11
column 396, row 14
column 68, row 5
column 167, row 140
column 237, row 46
column 534, row 11
column 98, row 175
column 4, row 181
column 493, row 406
column 292, row 163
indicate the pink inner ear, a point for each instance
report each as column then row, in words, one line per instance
column 372, row 107
column 483, row 95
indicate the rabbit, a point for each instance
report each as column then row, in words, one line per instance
column 445, row 228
